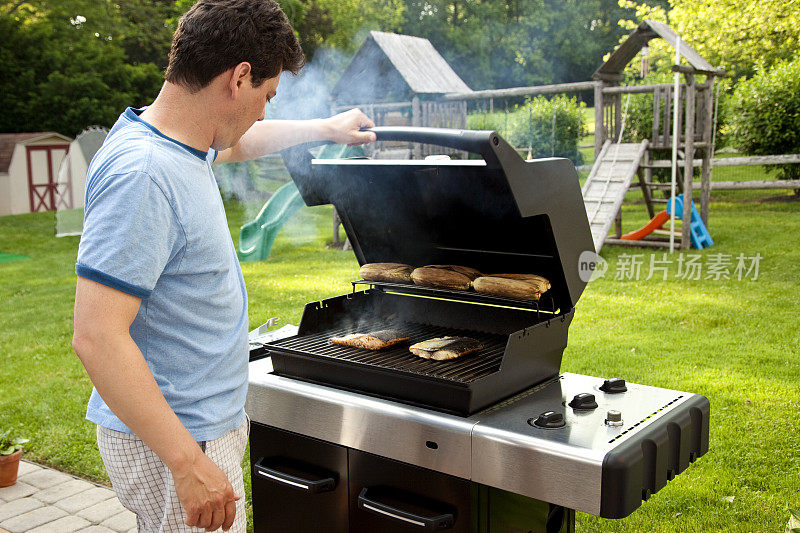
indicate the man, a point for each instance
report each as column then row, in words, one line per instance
column 160, row 306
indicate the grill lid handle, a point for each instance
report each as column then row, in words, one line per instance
column 483, row 142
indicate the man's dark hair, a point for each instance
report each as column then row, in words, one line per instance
column 216, row 35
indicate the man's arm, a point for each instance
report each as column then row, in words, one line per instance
column 120, row 373
column 268, row 136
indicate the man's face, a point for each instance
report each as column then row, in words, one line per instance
column 249, row 108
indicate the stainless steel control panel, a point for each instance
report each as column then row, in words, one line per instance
column 563, row 463
column 548, row 443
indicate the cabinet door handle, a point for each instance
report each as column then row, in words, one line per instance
column 424, row 523
column 312, row 486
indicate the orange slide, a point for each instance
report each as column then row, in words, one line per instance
column 658, row 221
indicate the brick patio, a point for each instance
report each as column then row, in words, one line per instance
column 48, row 501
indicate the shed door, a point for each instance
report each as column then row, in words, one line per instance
column 43, row 161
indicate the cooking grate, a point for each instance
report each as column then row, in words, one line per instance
column 464, row 369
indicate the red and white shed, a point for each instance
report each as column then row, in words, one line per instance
column 29, row 165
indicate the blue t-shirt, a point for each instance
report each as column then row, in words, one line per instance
column 155, row 227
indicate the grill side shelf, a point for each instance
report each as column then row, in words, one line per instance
column 545, row 306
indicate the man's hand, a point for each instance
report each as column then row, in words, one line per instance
column 345, row 128
column 205, row 494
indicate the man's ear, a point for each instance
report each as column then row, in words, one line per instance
column 239, row 75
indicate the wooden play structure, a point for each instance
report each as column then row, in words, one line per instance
column 695, row 103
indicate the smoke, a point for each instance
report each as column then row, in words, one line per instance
column 308, row 95
column 301, row 97
column 305, row 96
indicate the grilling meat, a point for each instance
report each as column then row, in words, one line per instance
column 374, row 340
column 511, row 288
column 445, row 276
column 444, row 348
column 391, row 272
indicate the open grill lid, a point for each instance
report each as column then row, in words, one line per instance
column 500, row 214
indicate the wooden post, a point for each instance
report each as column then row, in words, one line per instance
column 617, row 118
column 618, row 224
column 655, row 139
column 669, row 101
column 688, row 163
column 708, row 151
column 643, row 183
column 416, row 119
column 599, row 130
column 336, row 223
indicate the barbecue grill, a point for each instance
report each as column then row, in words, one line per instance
column 346, row 439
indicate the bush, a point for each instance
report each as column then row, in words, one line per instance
column 639, row 120
column 765, row 115
column 549, row 127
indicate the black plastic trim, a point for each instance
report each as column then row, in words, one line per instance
column 642, row 465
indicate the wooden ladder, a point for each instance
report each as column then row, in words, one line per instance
column 607, row 184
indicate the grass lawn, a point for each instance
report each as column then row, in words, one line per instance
column 735, row 341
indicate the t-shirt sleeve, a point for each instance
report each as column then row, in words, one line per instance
column 130, row 234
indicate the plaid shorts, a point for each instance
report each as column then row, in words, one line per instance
column 144, row 484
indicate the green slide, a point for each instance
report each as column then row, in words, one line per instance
column 256, row 237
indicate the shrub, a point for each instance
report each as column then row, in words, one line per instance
column 639, row 120
column 549, row 127
column 765, row 115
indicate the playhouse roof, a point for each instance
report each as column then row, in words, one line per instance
column 638, row 39
column 9, row 140
column 419, row 66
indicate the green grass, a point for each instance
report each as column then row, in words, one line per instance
column 734, row 341
column 737, row 342
column 7, row 258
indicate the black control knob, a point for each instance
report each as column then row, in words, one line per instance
column 583, row 401
column 549, row 420
column 613, row 386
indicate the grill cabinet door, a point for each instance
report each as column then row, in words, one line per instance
column 393, row 497
column 299, row 483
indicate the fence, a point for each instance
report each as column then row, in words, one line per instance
column 736, row 173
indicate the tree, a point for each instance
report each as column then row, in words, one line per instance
column 741, row 36
column 67, row 64
column 336, row 24
column 765, row 114
column 494, row 44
